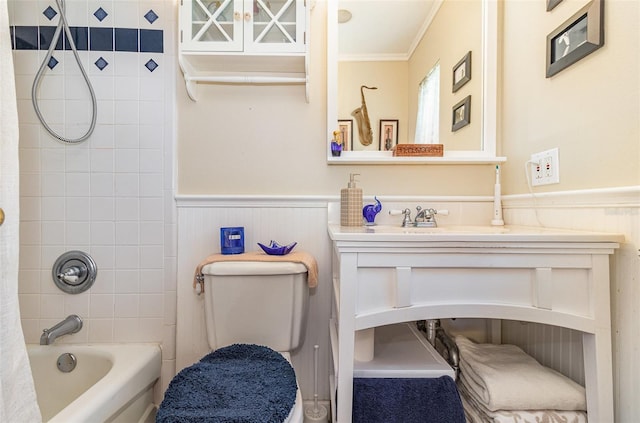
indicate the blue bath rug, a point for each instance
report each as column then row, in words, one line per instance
column 240, row 383
column 405, row 400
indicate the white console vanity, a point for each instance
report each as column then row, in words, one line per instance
column 390, row 274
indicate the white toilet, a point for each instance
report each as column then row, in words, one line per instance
column 261, row 303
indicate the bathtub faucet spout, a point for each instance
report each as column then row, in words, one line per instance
column 71, row 324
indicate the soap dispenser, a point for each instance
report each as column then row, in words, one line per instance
column 351, row 203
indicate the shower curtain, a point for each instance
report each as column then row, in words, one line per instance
column 17, row 394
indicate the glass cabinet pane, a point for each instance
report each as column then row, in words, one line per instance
column 274, row 21
column 212, row 20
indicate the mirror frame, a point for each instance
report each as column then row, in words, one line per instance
column 487, row 154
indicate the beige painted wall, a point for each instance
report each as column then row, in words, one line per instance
column 267, row 140
column 590, row 111
column 447, row 44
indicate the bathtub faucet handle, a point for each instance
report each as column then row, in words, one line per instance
column 72, row 274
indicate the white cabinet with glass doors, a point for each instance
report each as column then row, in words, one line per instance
column 243, row 41
column 265, row 26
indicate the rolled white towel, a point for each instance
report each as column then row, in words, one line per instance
column 504, row 377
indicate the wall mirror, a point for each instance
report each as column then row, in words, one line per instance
column 360, row 52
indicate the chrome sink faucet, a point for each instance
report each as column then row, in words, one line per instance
column 425, row 218
column 71, row 324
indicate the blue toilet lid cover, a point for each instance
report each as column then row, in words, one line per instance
column 241, row 383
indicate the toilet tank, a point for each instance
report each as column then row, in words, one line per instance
column 262, row 303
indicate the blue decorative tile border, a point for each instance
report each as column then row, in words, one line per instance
column 89, row 38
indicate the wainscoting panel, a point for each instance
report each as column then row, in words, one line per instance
column 284, row 219
column 614, row 210
column 198, row 236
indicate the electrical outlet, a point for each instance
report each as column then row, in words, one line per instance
column 545, row 168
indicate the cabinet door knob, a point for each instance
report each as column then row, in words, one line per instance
column 236, row 16
column 247, row 16
column 1, row 216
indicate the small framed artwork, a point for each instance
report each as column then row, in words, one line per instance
column 552, row 3
column 462, row 72
column 461, row 115
column 345, row 126
column 579, row 36
column 388, row 134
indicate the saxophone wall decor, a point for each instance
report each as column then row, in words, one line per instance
column 361, row 116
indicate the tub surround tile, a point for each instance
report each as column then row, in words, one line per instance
column 78, row 235
column 103, row 233
column 100, row 330
column 126, row 13
column 151, row 41
column 26, row 38
column 88, row 38
column 101, row 39
column 100, row 14
column 50, row 12
column 149, row 279
column 89, row 196
column 46, row 37
column 78, row 209
column 126, row 39
column 79, row 37
column 152, row 329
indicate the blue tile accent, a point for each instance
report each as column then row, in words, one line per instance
column 80, row 36
column 100, row 14
column 46, row 36
column 101, row 63
column 50, row 12
column 101, row 39
column 151, row 41
column 26, row 37
column 52, row 62
column 126, row 39
column 151, row 16
column 151, row 65
column 89, row 38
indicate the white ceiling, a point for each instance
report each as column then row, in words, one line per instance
column 383, row 28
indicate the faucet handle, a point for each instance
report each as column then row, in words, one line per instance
column 397, row 212
column 407, row 216
column 443, row 212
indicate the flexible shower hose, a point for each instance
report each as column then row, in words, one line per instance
column 62, row 23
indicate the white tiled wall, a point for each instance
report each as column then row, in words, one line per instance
column 110, row 196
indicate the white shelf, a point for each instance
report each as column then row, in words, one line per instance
column 234, row 55
column 383, row 157
column 400, row 351
column 242, row 68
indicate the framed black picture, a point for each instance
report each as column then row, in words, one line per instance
column 462, row 72
column 345, row 126
column 461, row 115
column 552, row 3
column 388, row 134
column 579, row 36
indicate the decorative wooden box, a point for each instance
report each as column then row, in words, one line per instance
column 418, row 150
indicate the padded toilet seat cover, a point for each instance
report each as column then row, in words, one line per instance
column 239, row 383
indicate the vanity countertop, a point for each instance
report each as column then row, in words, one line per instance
column 461, row 233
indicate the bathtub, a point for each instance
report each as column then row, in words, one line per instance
column 110, row 382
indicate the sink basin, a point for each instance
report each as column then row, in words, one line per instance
column 451, row 229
